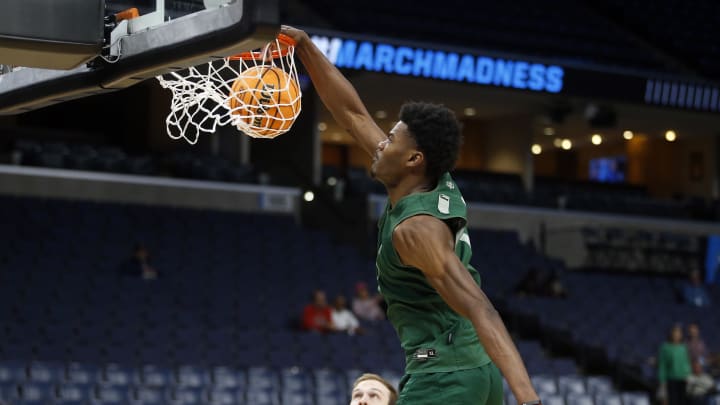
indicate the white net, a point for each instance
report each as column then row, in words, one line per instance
column 256, row 92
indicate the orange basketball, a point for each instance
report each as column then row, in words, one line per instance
column 267, row 99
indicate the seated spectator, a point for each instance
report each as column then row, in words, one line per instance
column 343, row 319
column 139, row 265
column 699, row 385
column 365, row 306
column 532, row 283
column 554, row 287
column 696, row 345
column 694, row 293
column 317, row 316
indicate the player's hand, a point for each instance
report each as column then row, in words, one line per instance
column 300, row 36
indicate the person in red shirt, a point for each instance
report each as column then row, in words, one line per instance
column 317, row 316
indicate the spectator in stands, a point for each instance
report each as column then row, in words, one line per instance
column 696, row 345
column 139, row 264
column 694, row 293
column 317, row 316
column 365, row 306
column 343, row 319
column 371, row 389
column 699, row 385
column 673, row 369
column 554, row 287
column 532, row 283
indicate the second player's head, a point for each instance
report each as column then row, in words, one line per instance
column 371, row 389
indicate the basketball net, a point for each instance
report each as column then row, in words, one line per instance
column 236, row 91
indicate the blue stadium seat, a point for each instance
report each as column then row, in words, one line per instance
column 599, row 384
column 635, row 398
column 604, row 398
column 262, row 378
column 37, row 392
column 225, row 378
column 262, row 396
column 330, row 384
column 217, row 396
column 188, row 396
column 573, row 398
column 82, row 375
column 154, row 376
column 12, row 372
column 571, row 384
column 46, row 372
column 112, row 395
column 552, row 399
column 150, row 396
column 544, row 384
column 114, row 374
column 69, row 394
column 192, row 377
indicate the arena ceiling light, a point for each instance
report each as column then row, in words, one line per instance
column 670, row 135
column 596, row 139
column 627, row 134
column 549, row 131
column 566, row 144
column 536, row 149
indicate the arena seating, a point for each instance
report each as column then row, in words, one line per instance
column 218, row 326
column 113, row 159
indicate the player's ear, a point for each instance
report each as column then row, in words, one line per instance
column 415, row 158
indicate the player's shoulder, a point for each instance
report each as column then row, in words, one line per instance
column 422, row 225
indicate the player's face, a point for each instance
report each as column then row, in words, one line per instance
column 370, row 392
column 392, row 154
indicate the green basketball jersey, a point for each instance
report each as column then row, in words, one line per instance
column 435, row 338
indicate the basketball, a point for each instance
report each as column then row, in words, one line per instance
column 266, row 99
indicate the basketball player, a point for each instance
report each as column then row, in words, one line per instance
column 371, row 389
column 448, row 328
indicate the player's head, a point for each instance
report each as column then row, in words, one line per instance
column 676, row 334
column 319, row 298
column 426, row 140
column 371, row 389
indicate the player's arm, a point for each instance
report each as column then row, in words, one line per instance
column 426, row 242
column 336, row 92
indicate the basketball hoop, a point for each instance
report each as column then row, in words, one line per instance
column 257, row 92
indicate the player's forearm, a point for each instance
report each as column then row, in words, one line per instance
column 335, row 91
column 499, row 346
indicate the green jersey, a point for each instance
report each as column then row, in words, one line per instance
column 435, row 338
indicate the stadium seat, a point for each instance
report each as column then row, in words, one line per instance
column 114, row 374
column 150, row 396
column 217, row 396
column 111, row 395
column 69, row 394
column 635, row 398
column 571, row 384
column 599, row 384
column 37, row 393
column 188, row 396
column 604, row 398
column 154, row 376
column 12, row 372
column 552, row 399
column 573, row 398
column 544, row 384
column 226, row 378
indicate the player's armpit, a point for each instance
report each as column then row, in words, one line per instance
column 426, row 243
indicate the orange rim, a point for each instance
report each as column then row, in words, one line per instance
column 285, row 44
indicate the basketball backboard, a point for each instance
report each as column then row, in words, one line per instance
column 140, row 49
